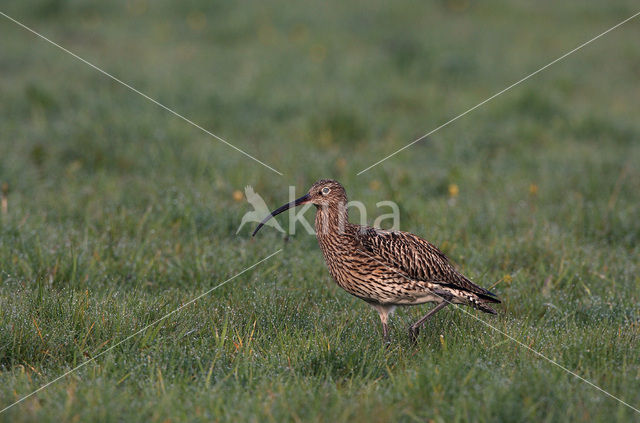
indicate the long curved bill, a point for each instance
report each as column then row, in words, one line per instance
column 302, row 200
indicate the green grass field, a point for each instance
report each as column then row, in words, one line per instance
column 119, row 212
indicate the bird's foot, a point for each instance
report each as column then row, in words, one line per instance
column 413, row 334
column 386, row 340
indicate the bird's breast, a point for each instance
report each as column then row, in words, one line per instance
column 358, row 274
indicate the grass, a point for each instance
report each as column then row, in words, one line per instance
column 119, row 212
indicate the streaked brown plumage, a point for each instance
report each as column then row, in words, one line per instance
column 385, row 268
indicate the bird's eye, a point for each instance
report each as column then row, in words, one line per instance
column 325, row 191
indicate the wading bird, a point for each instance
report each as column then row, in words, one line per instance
column 384, row 268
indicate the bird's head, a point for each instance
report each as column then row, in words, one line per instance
column 327, row 192
column 324, row 193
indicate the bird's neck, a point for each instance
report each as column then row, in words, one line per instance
column 331, row 220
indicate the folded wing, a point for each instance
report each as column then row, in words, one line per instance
column 418, row 259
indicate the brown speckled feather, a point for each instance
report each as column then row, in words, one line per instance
column 417, row 258
column 385, row 268
column 388, row 267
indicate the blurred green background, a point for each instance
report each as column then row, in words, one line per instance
column 118, row 212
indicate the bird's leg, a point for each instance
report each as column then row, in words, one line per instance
column 384, row 311
column 385, row 333
column 414, row 330
column 384, row 318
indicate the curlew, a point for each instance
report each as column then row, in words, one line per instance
column 385, row 268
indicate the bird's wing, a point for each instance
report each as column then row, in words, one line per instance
column 416, row 257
